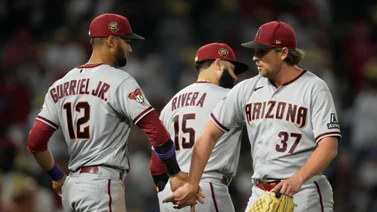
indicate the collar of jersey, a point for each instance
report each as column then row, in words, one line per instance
column 91, row 65
column 289, row 82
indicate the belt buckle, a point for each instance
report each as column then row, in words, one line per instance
column 263, row 184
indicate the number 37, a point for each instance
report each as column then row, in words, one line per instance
column 283, row 145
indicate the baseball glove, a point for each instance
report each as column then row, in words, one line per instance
column 273, row 202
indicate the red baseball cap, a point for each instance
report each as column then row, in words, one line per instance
column 273, row 34
column 220, row 51
column 112, row 24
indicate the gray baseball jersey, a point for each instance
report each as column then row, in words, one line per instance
column 185, row 117
column 284, row 124
column 95, row 105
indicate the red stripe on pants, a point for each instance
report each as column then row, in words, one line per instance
column 320, row 196
column 213, row 197
column 109, row 193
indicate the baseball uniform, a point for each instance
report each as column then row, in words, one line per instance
column 185, row 117
column 95, row 106
column 284, row 125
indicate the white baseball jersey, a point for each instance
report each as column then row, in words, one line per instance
column 185, row 117
column 284, row 124
column 95, row 105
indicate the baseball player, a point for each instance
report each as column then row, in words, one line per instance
column 185, row 117
column 291, row 123
column 95, row 104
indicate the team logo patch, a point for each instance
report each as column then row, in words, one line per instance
column 334, row 124
column 258, row 32
column 137, row 95
column 223, row 52
column 113, row 26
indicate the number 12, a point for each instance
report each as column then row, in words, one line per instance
column 81, row 132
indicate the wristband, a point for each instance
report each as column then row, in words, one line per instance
column 172, row 165
column 55, row 173
column 166, row 153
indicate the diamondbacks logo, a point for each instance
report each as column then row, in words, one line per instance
column 334, row 124
column 137, row 95
column 223, row 52
column 113, row 26
column 258, row 32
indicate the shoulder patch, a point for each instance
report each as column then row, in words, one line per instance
column 333, row 124
column 137, row 95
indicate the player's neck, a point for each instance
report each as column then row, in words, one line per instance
column 202, row 77
column 98, row 57
column 286, row 75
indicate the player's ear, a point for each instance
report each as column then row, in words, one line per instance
column 284, row 53
column 110, row 41
column 216, row 63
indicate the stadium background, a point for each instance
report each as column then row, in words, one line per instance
column 41, row 40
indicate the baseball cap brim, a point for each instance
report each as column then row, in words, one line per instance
column 239, row 67
column 133, row 36
column 255, row 45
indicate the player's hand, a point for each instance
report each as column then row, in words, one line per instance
column 187, row 195
column 289, row 186
column 57, row 185
column 178, row 180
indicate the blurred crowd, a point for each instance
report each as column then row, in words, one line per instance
column 42, row 40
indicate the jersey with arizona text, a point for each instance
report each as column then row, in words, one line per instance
column 95, row 106
column 186, row 115
column 284, row 124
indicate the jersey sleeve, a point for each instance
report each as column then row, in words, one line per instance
column 228, row 112
column 131, row 101
column 324, row 117
column 164, row 117
column 48, row 113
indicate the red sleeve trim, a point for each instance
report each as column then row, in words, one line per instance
column 218, row 124
column 328, row 134
column 154, row 129
column 39, row 136
column 142, row 114
column 156, row 165
column 48, row 122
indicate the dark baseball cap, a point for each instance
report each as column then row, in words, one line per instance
column 112, row 24
column 274, row 34
column 220, row 51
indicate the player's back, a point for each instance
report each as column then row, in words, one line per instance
column 86, row 101
column 186, row 115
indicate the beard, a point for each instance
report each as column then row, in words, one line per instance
column 120, row 58
column 264, row 73
column 226, row 80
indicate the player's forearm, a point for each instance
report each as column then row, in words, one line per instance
column 160, row 140
column 37, row 144
column 320, row 159
column 202, row 151
column 200, row 155
column 47, row 163
column 44, row 159
column 156, row 165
